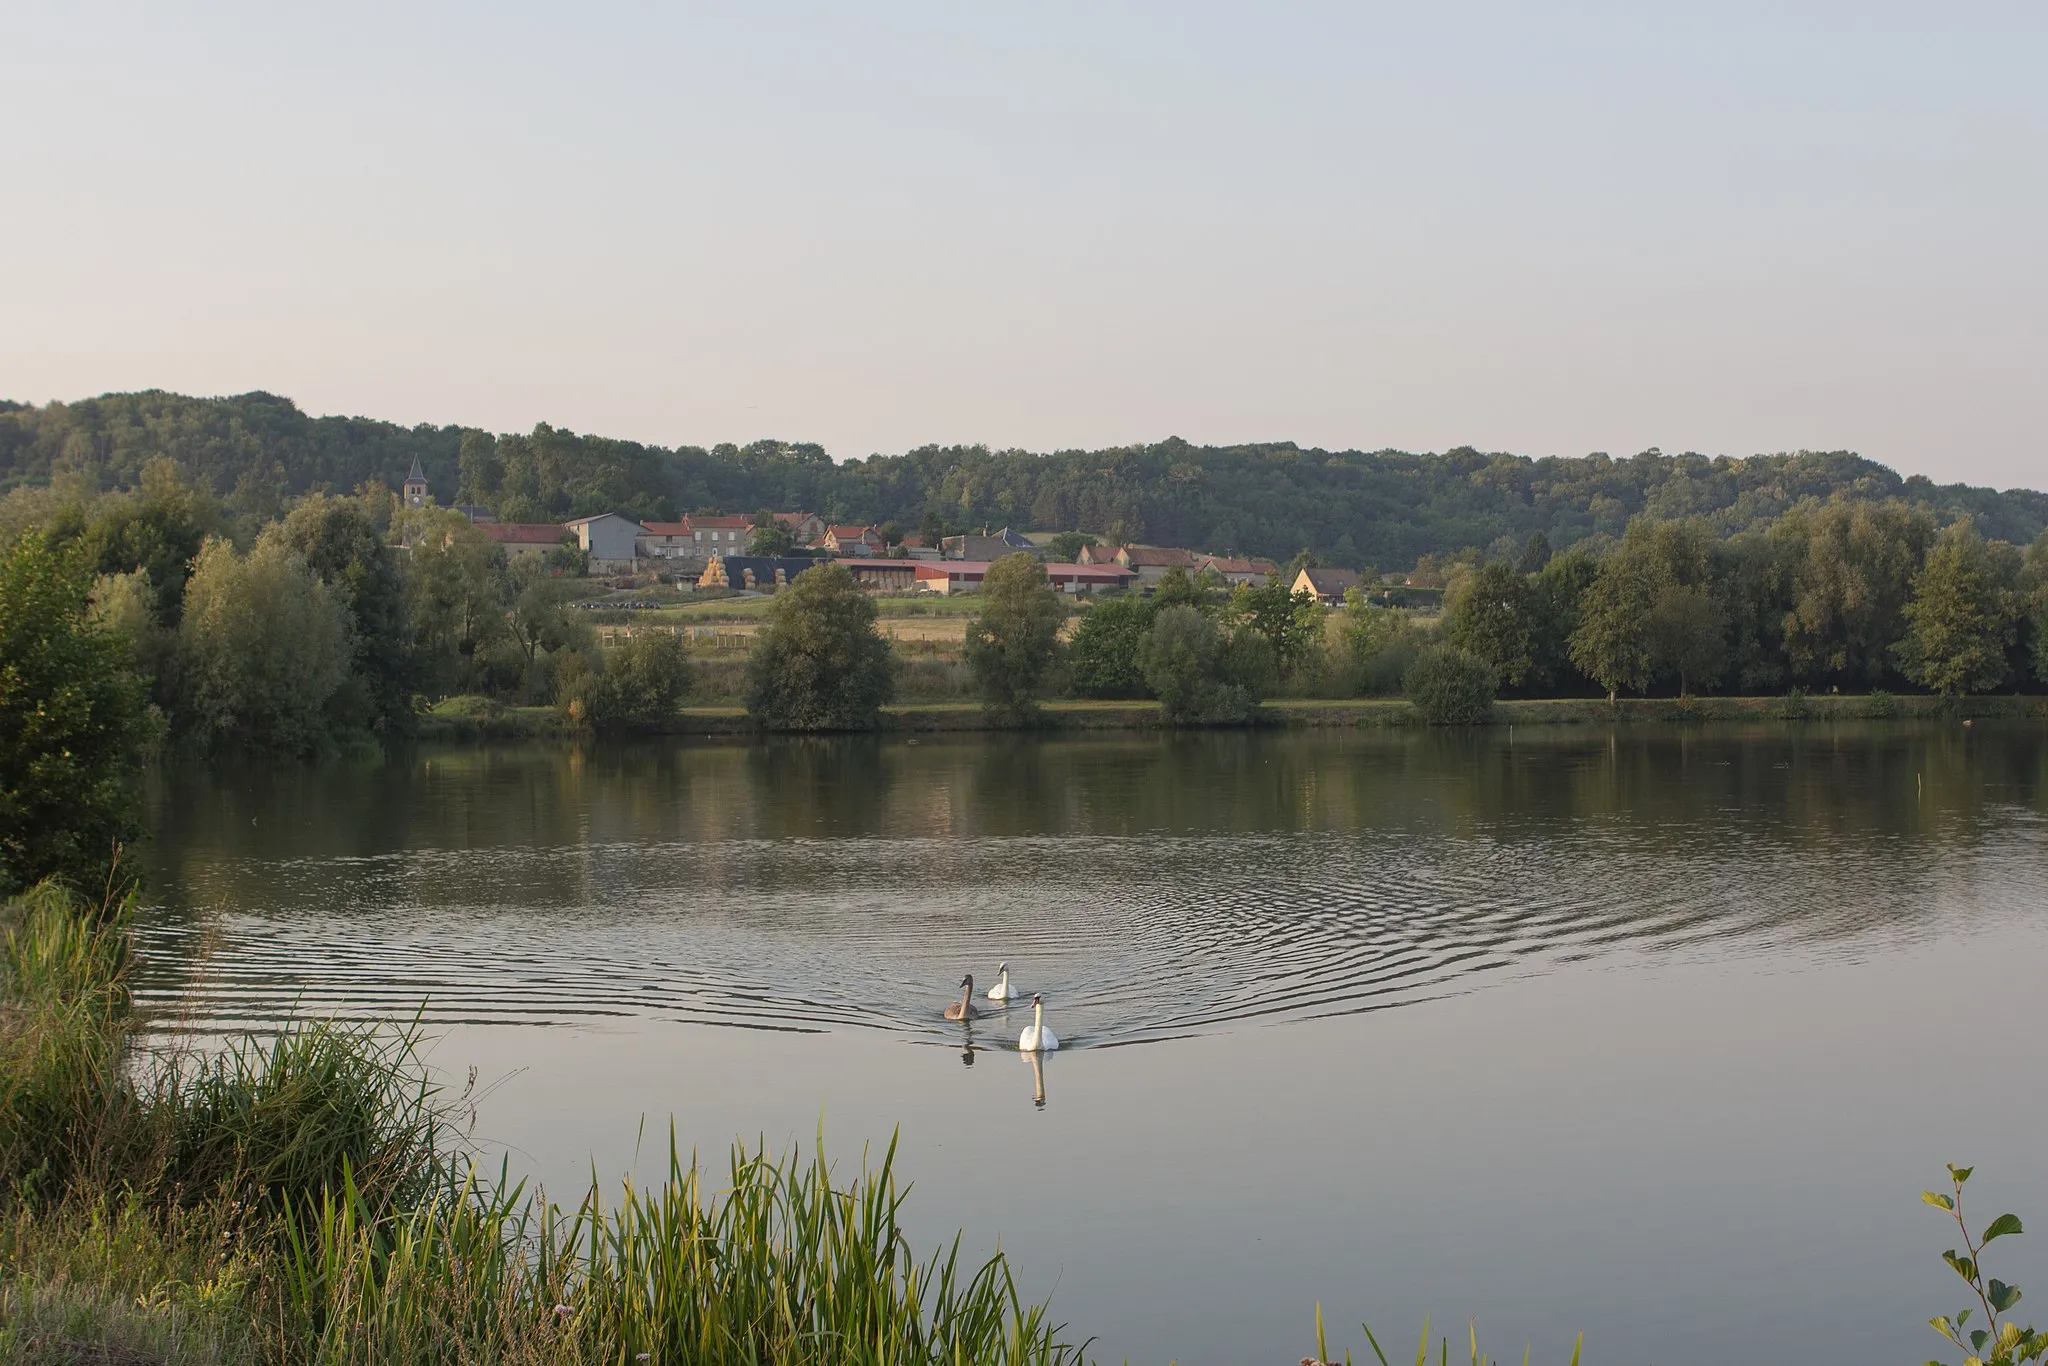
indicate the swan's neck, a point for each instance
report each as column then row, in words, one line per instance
column 966, row 995
column 1037, row 1019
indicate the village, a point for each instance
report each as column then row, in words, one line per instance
column 760, row 554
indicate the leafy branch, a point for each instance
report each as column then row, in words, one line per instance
column 2008, row 1343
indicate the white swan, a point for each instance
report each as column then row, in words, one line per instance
column 1002, row 990
column 1036, row 1038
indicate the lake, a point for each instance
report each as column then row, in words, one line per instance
column 1654, row 1034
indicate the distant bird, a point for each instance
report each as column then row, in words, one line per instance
column 1036, row 1038
column 1002, row 990
column 963, row 1009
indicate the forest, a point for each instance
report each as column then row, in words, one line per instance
column 1385, row 509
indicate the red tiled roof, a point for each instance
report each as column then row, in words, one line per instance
column 1228, row 566
column 666, row 528
column 849, row 533
column 720, row 520
column 521, row 533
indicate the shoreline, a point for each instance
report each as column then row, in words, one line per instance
column 526, row 723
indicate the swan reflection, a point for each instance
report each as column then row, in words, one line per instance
column 1037, row 1061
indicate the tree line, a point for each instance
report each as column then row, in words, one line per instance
column 1832, row 596
column 1353, row 508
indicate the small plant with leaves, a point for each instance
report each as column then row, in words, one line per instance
column 1996, row 1343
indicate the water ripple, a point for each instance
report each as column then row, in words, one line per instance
column 1131, row 939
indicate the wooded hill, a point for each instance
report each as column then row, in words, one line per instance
column 1355, row 508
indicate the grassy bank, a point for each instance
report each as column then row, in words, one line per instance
column 304, row 1200
column 947, row 706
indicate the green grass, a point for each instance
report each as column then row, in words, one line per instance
column 301, row 1199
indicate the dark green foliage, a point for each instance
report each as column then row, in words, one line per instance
column 1536, row 553
column 1377, row 645
column 217, row 442
column 1014, row 643
column 1611, row 644
column 1178, row 588
column 1960, row 619
column 819, row 663
column 458, row 587
column 639, row 683
column 1202, row 674
column 343, row 546
column 73, row 722
column 1688, row 635
column 1066, row 547
column 1560, row 592
column 1450, row 686
column 1291, row 623
column 1853, row 573
column 1493, row 614
column 1102, row 657
column 1346, row 507
column 768, row 536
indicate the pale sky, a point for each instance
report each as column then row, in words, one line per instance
column 1548, row 229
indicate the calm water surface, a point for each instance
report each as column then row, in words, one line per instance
column 1655, row 1034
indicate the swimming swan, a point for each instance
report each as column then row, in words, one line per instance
column 1036, row 1038
column 963, row 1008
column 1002, row 990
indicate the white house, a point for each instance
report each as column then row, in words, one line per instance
column 607, row 537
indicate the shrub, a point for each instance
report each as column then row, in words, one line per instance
column 73, row 722
column 1103, row 655
column 639, row 683
column 1200, row 673
column 818, row 663
column 1377, row 646
column 1450, row 686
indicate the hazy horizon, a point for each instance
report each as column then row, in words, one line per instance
column 1737, row 232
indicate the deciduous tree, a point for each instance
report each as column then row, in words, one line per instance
column 1013, row 644
column 1960, row 620
column 1492, row 614
column 818, row 663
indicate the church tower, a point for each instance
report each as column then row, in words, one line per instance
column 416, row 486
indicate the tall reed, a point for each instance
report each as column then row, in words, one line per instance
column 781, row 1265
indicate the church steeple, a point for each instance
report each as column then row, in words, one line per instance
column 416, row 485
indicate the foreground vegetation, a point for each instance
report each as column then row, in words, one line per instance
column 306, row 1200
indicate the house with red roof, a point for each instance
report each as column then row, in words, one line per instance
column 1150, row 562
column 1250, row 573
